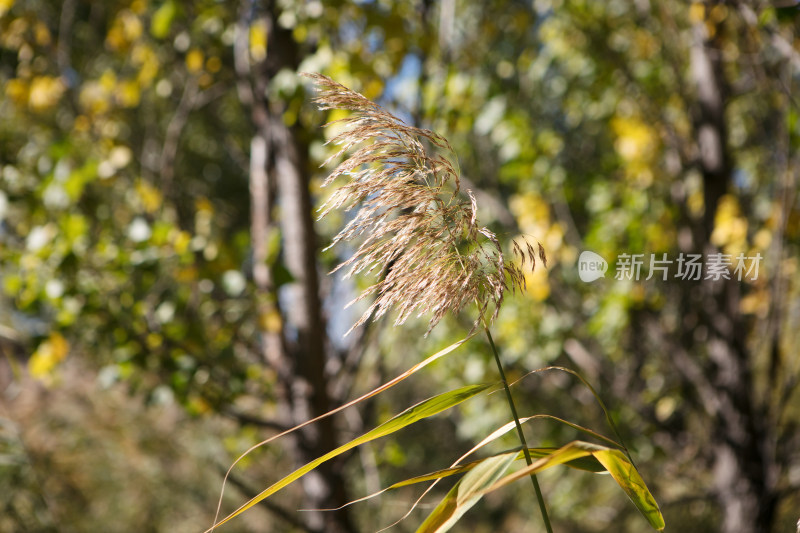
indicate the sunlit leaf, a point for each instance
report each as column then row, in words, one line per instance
column 588, row 464
column 5, row 5
column 162, row 19
column 422, row 410
column 194, row 60
column 48, row 355
column 466, row 493
column 627, row 477
column 389, row 384
column 618, row 465
column 582, row 463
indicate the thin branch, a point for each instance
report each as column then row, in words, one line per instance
column 253, row 420
column 64, row 46
column 174, row 130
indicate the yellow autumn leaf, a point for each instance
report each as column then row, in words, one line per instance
column 81, row 124
column 131, row 25
column 194, row 60
column 146, row 59
column 125, row 29
column 755, row 303
column 762, row 239
column 186, row 274
column 730, row 228
column 373, row 89
column 213, row 64
column 150, row 196
column 128, row 93
column 205, row 81
column 636, row 140
column 695, row 202
column 42, row 34
column 258, row 41
column 154, row 340
column 45, row 92
column 162, row 20
column 115, row 38
column 108, row 80
column 138, row 6
column 532, row 213
column 718, row 13
column 94, row 98
column 17, row 91
column 537, row 284
column 204, row 204
column 271, row 321
column 48, row 355
column 697, row 12
column 5, row 5
column 645, row 44
column 181, row 241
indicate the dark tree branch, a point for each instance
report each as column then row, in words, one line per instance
column 172, row 137
column 253, row 420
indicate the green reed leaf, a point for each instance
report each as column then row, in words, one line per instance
column 413, row 414
column 466, row 493
column 389, row 384
column 627, row 477
column 617, row 464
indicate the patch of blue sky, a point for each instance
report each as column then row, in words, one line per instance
column 401, row 95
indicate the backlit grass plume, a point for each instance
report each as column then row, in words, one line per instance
column 415, row 231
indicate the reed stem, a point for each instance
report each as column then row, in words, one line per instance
column 520, row 433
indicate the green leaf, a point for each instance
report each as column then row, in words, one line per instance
column 466, row 493
column 413, row 414
column 162, row 19
column 627, row 477
column 617, row 464
column 587, row 464
column 389, row 384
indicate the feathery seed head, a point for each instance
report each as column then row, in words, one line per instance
column 415, row 232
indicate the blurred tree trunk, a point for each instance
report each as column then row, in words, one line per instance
column 296, row 349
column 743, row 463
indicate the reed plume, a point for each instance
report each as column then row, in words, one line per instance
column 417, row 233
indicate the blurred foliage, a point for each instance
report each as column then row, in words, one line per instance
column 124, row 231
column 80, row 456
column 137, row 271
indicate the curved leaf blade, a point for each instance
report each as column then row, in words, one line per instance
column 425, row 409
column 589, row 464
column 389, row 384
column 616, row 462
column 466, row 493
column 586, row 464
column 627, row 477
